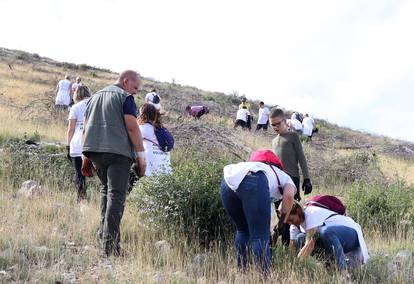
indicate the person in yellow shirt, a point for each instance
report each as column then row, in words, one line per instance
column 246, row 105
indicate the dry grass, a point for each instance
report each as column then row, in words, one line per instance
column 13, row 126
column 394, row 167
column 52, row 239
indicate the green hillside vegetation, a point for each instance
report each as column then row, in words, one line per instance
column 174, row 228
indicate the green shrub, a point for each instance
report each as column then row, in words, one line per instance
column 46, row 165
column 383, row 208
column 187, row 201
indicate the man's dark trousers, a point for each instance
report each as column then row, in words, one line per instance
column 113, row 171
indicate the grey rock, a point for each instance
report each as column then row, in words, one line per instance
column 401, row 264
column 30, row 189
column 4, row 276
column 199, row 264
column 41, row 250
column 163, row 247
column 6, row 254
column 23, row 260
column 199, row 259
column 159, row 278
column 202, row 280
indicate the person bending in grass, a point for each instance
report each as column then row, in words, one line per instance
column 337, row 236
column 74, row 138
column 288, row 148
column 246, row 193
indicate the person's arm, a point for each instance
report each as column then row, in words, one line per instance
column 57, row 89
column 71, row 130
column 309, row 244
column 134, row 133
column 287, row 201
column 136, row 139
column 301, row 157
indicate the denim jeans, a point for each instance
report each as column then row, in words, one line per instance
column 249, row 209
column 334, row 241
column 337, row 241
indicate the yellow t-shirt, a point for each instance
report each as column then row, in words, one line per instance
column 244, row 104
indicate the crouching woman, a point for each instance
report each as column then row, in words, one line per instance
column 337, row 236
column 247, row 190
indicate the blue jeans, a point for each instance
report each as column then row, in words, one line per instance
column 338, row 240
column 249, row 209
column 334, row 241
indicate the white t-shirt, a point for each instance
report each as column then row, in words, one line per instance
column 63, row 95
column 294, row 231
column 242, row 114
column 75, row 86
column 308, row 126
column 77, row 112
column 149, row 99
column 235, row 173
column 263, row 115
column 158, row 162
column 316, row 217
column 296, row 124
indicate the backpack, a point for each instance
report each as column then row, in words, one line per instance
column 156, row 99
column 270, row 158
column 165, row 139
column 328, row 202
column 299, row 117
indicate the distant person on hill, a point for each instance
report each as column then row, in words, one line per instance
column 158, row 160
column 78, row 82
column 308, row 126
column 263, row 121
column 63, row 93
column 74, row 87
column 196, row 111
column 74, row 138
column 337, row 236
column 288, row 148
column 112, row 141
column 246, row 105
column 246, row 193
column 295, row 124
column 153, row 98
column 242, row 117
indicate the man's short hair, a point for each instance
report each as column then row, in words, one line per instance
column 261, row 103
column 277, row 112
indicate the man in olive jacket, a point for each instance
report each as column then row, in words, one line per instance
column 287, row 146
column 112, row 141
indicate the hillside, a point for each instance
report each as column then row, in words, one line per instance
column 27, row 85
column 51, row 239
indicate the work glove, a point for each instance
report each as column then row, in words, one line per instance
column 133, row 177
column 307, row 186
column 68, row 153
column 87, row 168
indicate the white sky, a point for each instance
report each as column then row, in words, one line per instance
column 348, row 61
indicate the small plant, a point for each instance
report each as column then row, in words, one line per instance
column 187, row 201
column 380, row 207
